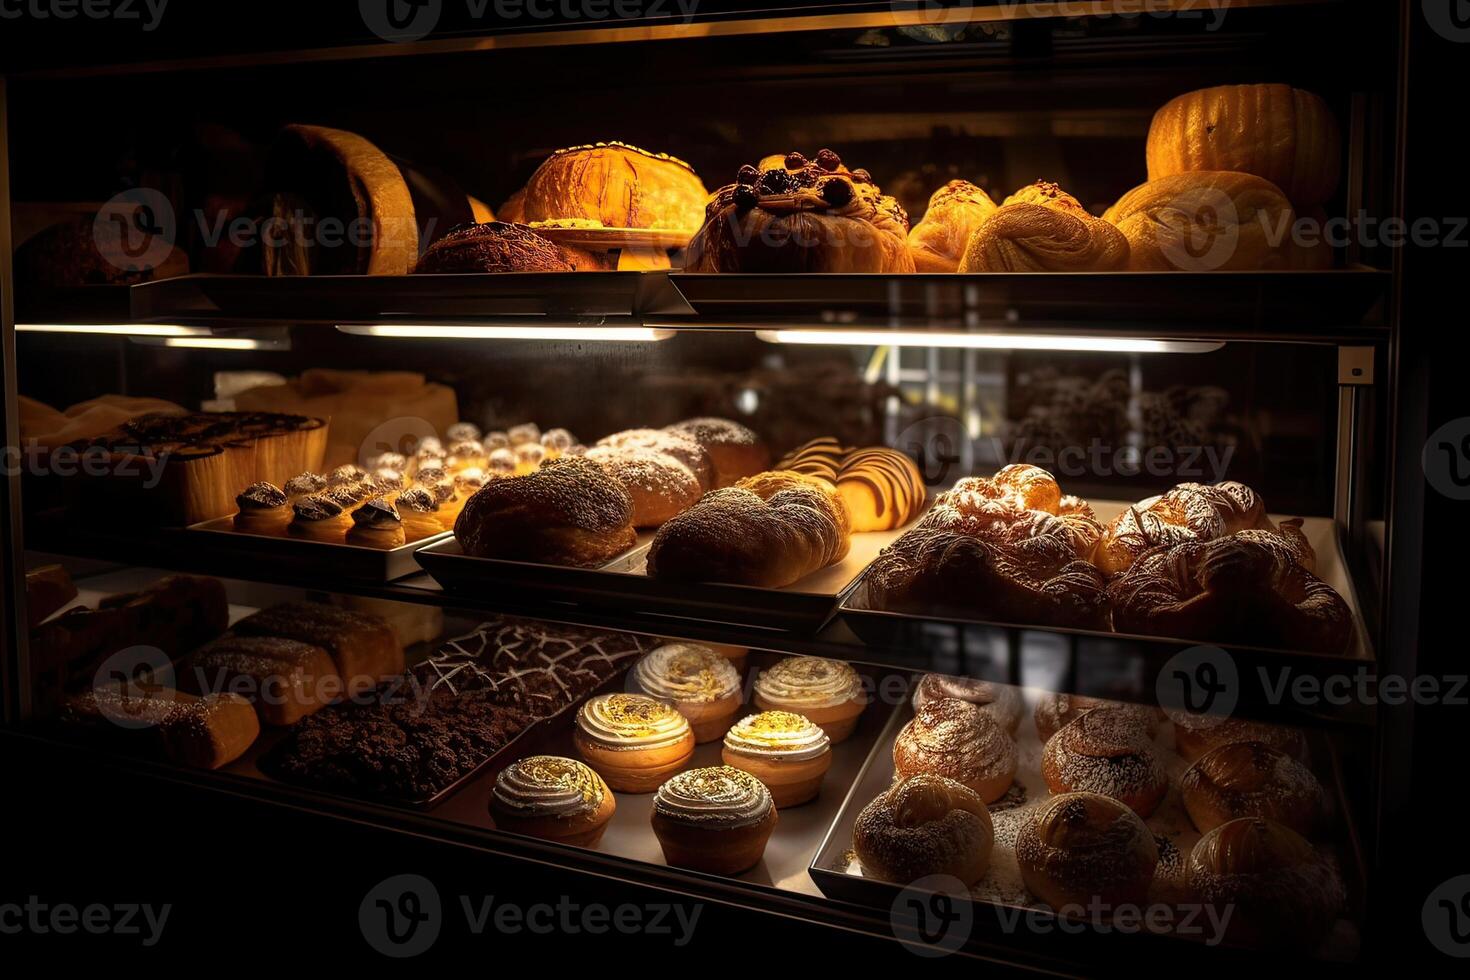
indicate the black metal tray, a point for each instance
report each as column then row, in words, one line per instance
column 1239, row 304
column 334, row 561
column 623, row 585
column 594, row 296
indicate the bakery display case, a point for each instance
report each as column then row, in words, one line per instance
column 854, row 462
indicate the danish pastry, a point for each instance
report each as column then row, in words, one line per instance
column 956, row 211
column 881, row 487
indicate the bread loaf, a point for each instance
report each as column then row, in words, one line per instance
column 1042, row 228
column 1207, row 221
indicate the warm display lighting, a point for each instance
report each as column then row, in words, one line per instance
column 986, row 341
column 548, row 331
column 125, row 329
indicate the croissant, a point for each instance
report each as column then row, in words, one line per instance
column 1042, row 228
column 1192, row 512
column 956, row 211
column 801, row 216
column 1207, row 221
column 1247, row 588
column 768, row 530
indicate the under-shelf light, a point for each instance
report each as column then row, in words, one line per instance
column 226, row 343
column 122, row 329
column 485, row 331
column 986, row 341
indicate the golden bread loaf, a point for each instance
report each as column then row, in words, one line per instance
column 1042, row 228
column 956, row 211
column 1202, row 222
column 617, row 185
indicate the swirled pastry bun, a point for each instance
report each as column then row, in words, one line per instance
column 1104, row 751
column 1000, row 701
column 1080, row 848
column 1042, row 228
column 633, row 741
column 956, row 211
column 786, row 751
column 1281, row 890
column 715, row 820
column 1251, row 779
column 924, row 825
column 552, row 798
column 956, row 739
column 828, row 692
column 700, row 684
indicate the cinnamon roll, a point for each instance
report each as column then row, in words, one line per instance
column 1280, row 890
column 787, row 752
column 1000, row 701
column 715, row 820
column 552, row 798
column 700, row 684
column 633, row 741
column 1103, row 751
column 1251, row 779
column 924, row 825
column 829, row 692
column 1081, row 848
column 956, row 739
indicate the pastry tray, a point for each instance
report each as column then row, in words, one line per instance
column 624, row 585
column 799, row 829
column 1243, row 304
column 896, row 629
column 838, row 873
column 604, row 238
column 331, row 559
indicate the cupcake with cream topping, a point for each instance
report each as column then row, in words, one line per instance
column 787, row 752
column 553, row 798
column 828, row 692
column 701, row 685
column 633, row 741
column 715, row 820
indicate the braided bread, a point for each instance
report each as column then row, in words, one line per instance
column 767, row 530
column 1192, row 512
column 1042, row 228
column 1249, row 587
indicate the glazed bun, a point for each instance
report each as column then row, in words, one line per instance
column 1251, row 779
column 922, row 826
column 956, row 739
column 1081, row 848
column 1281, row 890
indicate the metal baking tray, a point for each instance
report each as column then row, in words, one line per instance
column 332, row 560
column 882, row 627
column 1240, row 304
column 838, row 873
column 799, row 829
column 624, row 585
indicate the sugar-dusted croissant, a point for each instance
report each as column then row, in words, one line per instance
column 956, row 212
column 1042, row 228
column 799, row 215
column 1201, row 222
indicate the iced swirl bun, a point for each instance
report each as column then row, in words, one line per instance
column 1000, row 701
column 958, row 740
column 1078, row 848
column 1251, row 779
column 632, row 740
column 1103, row 751
column 785, row 751
column 701, row 685
column 922, row 826
column 552, row 798
column 828, row 692
column 715, row 820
